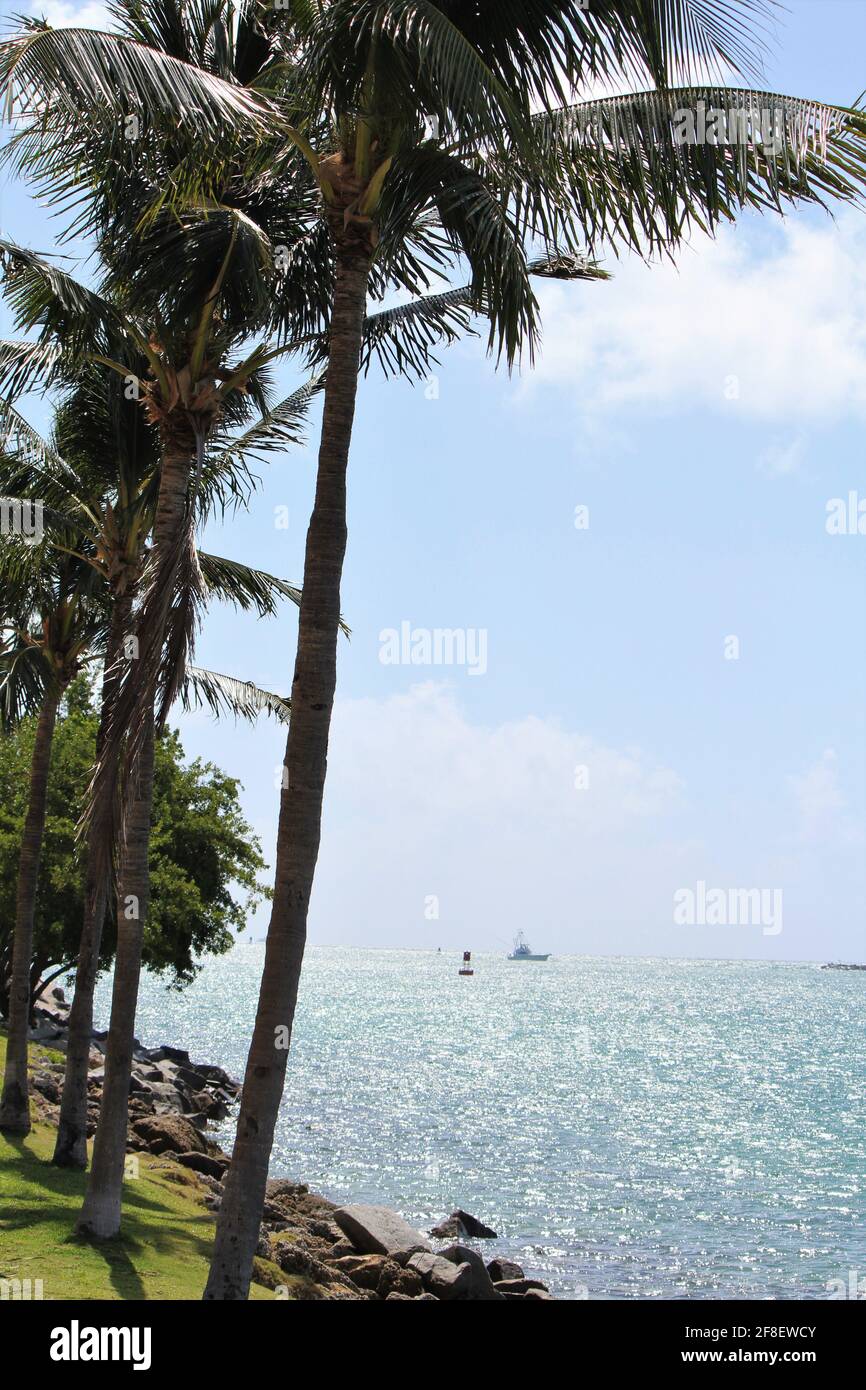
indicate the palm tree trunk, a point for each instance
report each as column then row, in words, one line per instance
column 301, row 803
column 15, row 1103
column 70, row 1148
column 100, row 1214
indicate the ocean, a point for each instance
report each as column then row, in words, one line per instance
column 632, row 1129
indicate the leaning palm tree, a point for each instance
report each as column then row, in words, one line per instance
column 337, row 100
column 53, row 614
column 99, row 474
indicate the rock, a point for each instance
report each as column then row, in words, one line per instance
column 377, row 1230
column 538, row 1293
column 168, row 1100
column 284, row 1187
column 462, row 1224
column 45, row 1032
column 342, row 1247
column 204, row 1103
column 217, row 1077
column 519, row 1286
column 394, row 1279
column 481, row 1284
column 402, row 1297
column 324, row 1230
column 449, row 1229
column 47, row 1086
column 191, row 1078
column 363, row 1270
column 151, row 1074
column 293, row 1260
column 500, row 1269
column 202, row 1163
column 170, row 1054
column 169, row 1134
column 137, row 1087
column 311, row 1204
column 442, row 1278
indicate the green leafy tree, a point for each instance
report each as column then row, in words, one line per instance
column 205, row 861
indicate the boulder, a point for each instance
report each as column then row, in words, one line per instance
column 500, row 1269
column 341, row 1248
column 203, row 1163
column 45, row 1032
column 284, row 1187
column 192, row 1078
column 519, row 1286
column 47, row 1086
column 170, row 1054
column 363, row 1270
column 167, row 1099
column 169, row 1134
column 395, row 1279
column 538, row 1293
column 481, row 1284
column 440, row 1277
column 461, row 1224
column 217, row 1077
column 205, row 1103
column 378, row 1230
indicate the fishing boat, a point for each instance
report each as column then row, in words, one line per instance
column 523, row 950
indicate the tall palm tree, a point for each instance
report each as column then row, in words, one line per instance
column 336, row 100
column 52, row 616
column 99, row 476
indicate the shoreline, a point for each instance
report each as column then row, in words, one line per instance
column 354, row 1251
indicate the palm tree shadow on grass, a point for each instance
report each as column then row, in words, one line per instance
column 120, row 1251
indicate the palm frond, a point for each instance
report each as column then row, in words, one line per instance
column 228, row 695
column 244, row 586
column 279, row 428
column 403, row 338
column 641, row 170
column 83, row 74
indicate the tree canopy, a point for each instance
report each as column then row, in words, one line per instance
column 205, row 860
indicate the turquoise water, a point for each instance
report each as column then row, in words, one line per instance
column 631, row 1128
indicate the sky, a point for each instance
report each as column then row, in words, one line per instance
column 665, row 674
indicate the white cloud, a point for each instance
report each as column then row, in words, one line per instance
column 820, row 804
column 767, row 327
column 422, row 801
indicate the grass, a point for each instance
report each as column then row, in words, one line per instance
column 162, row 1252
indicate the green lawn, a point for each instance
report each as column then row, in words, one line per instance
column 162, row 1252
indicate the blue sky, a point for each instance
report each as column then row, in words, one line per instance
column 705, row 416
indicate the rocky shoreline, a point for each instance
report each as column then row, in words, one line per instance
column 309, row 1247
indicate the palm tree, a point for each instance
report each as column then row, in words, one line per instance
column 102, row 489
column 107, row 484
column 336, row 99
column 53, row 614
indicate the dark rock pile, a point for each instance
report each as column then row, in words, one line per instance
column 168, row 1094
